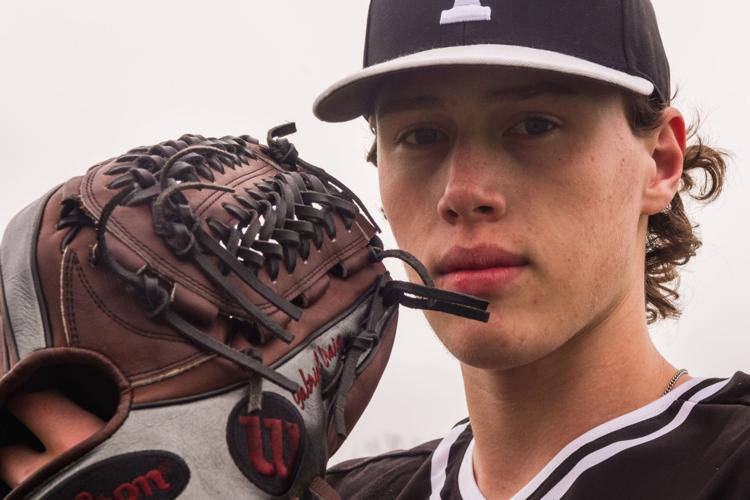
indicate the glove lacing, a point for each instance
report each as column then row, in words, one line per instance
column 277, row 222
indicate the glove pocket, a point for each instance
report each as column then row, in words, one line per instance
column 40, row 399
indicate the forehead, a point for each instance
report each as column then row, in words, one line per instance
column 452, row 85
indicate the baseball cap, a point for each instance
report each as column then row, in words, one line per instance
column 613, row 41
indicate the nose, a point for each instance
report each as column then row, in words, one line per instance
column 472, row 192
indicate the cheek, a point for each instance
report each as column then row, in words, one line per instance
column 406, row 205
column 596, row 233
column 587, row 205
column 597, row 191
column 392, row 194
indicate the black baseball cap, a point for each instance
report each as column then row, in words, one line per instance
column 613, row 41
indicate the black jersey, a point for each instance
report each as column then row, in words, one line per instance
column 693, row 443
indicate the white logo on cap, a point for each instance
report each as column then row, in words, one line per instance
column 465, row 11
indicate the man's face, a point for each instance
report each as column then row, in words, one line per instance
column 522, row 187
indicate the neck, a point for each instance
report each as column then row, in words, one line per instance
column 521, row 417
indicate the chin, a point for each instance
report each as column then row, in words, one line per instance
column 497, row 345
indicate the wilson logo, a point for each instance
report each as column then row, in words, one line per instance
column 284, row 443
column 139, row 487
column 153, row 475
column 267, row 445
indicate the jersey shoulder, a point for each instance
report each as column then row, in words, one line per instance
column 383, row 476
column 735, row 392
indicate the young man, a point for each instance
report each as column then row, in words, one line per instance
column 528, row 153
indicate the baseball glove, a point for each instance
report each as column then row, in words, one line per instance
column 221, row 305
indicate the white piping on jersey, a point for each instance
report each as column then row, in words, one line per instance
column 602, row 454
column 439, row 462
column 467, row 484
column 651, row 410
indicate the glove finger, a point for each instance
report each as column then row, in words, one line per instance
column 55, row 420
column 17, row 462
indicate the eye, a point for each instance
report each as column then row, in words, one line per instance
column 532, row 126
column 423, row 136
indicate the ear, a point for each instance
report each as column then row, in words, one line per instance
column 667, row 152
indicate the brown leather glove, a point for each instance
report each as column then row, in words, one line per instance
column 217, row 305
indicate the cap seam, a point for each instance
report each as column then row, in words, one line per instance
column 625, row 21
column 366, row 52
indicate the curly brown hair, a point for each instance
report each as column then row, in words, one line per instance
column 672, row 238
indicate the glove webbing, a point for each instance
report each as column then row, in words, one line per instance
column 284, row 152
column 158, row 302
column 285, row 203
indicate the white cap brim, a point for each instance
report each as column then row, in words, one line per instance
column 352, row 96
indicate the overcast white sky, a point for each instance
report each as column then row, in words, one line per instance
column 84, row 80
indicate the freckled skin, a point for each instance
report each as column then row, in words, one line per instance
column 569, row 200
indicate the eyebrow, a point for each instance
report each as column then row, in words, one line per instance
column 518, row 93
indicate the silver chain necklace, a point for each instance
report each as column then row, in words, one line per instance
column 674, row 380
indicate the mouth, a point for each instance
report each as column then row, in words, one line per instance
column 479, row 270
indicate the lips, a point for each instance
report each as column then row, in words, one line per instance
column 479, row 270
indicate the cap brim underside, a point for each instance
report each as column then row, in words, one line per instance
column 352, row 96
